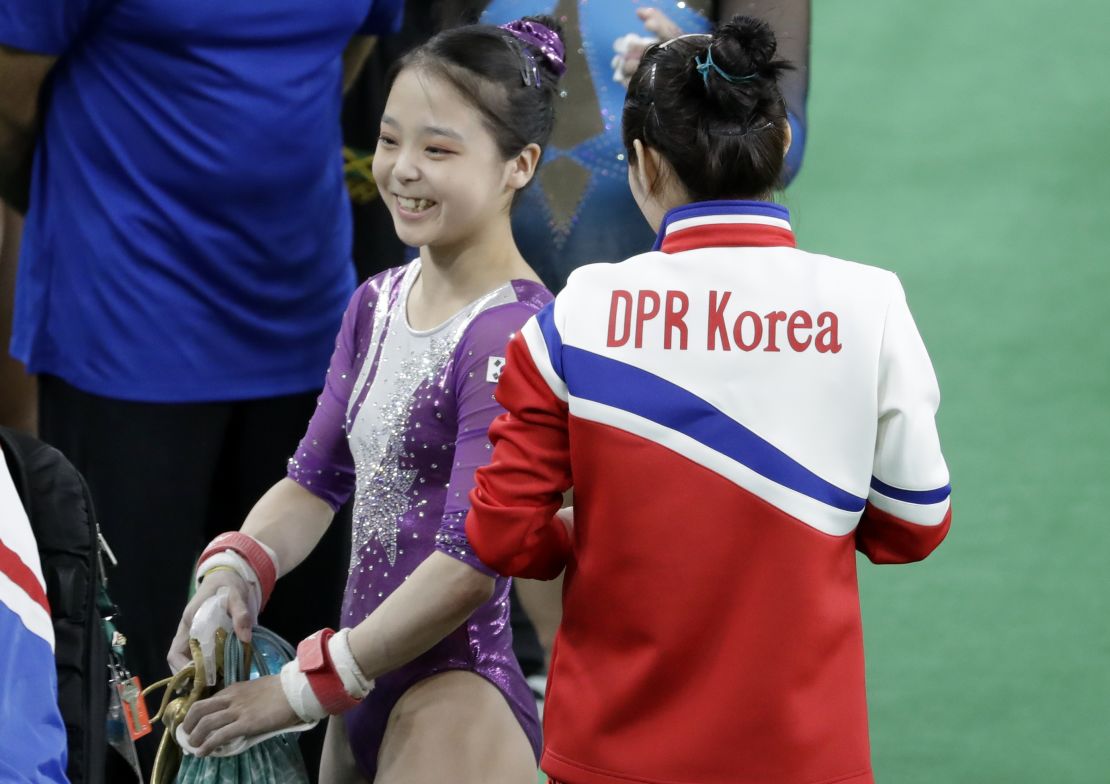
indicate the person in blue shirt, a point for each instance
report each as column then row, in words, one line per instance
column 185, row 262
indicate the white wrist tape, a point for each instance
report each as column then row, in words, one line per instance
column 239, row 565
column 354, row 680
column 299, row 693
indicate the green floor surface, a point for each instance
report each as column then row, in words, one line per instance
column 963, row 146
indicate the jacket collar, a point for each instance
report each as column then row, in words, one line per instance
column 725, row 224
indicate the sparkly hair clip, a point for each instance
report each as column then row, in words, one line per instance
column 661, row 47
column 715, row 129
column 704, row 68
column 543, row 39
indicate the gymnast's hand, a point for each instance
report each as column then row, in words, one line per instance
column 242, row 710
column 237, row 607
column 658, row 23
column 566, row 517
column 630, row 49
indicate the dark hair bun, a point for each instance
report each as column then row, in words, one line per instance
column 744, row 46
column 744, row 49
column 713, row 108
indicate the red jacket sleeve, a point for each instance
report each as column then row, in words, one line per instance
column 512, row 525
column 909, row 509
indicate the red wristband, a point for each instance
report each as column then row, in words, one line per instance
column 252, row 552
column 314, row 660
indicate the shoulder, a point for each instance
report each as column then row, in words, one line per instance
column 856, row 269
column 589, row 274
column 511, row 306
column 379, row 290
column 498, row 324
column 495, row 325
column 866, row 280
column 607, row 273
column 531, row 293
column 383, row 284
column 32, row 27
column 589, row 285
column 388, row 280
column 590, row 277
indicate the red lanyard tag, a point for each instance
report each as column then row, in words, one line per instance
column 134, row 707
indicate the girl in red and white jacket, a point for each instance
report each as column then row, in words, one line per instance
column 737, row 417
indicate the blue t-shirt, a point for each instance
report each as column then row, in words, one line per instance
column 189, row 235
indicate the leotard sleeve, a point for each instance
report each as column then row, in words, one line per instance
column 479, row 361
column 322, row 463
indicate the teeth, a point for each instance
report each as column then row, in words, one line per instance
column 414, row 205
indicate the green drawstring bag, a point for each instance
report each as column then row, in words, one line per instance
column 275, row 760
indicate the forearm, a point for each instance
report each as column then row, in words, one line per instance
column 354, row 57
column 542, row 600
column 290, row 520
column 16, row 149
column 24, row 73
column 436, row 599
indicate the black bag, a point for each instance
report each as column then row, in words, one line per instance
column 61, row 513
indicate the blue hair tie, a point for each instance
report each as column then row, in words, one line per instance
column 703, row 69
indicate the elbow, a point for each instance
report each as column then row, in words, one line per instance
column 884, row 555
column 537, row 551
column 885, row 539
column 479, row 588
column 471, row 588
column 490, row 548
column 493, row 554
column 17, row 137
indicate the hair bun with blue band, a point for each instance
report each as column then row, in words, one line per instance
column 704, row 67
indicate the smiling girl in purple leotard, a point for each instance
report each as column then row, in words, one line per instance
column 401, row 427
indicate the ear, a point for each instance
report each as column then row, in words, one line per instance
column 523, row 167
column 646, row 166
column 787, row 138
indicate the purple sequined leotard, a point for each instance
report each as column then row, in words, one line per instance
column 402, row 425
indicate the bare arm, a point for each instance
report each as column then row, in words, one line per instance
column 542, row 600
column 437, row 598
column 18, row 406
column 290, row 520
column 23, row 76
column 790, row 20
column 354, row 57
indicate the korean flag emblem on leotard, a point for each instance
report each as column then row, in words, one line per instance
column 494, row 368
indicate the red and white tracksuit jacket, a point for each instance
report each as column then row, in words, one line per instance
column 737, row 417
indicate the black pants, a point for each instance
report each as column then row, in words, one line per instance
column 165, row 479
